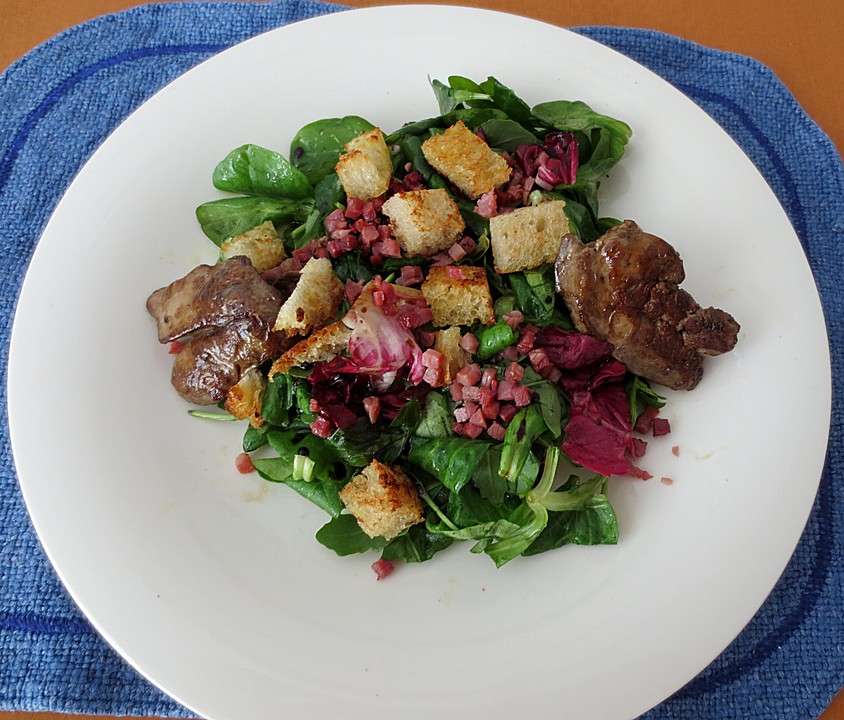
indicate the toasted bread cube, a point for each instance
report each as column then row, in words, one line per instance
column 246, row 397
column 528, row 236
column 383, row 499
column 366, row 168
column 314, row 302
column 458, row 295
column 261, row 245
column 448, row 343
column 320, row 346
column 466, row 160
column 424, row 222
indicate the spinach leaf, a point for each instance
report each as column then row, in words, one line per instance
column 329, row 193
column 493, row 486
column 640, row 394
column 591, row 521
column 290, row 444
column 534, row 291
column 223, row 219
column 551, row 400
column 576, row 115
column 317, row 146
column 451, row 460
column 418, row 544
column 353, row 266
column 286, row 402
column 525, row 427
column 254, row 438
column 254, row 170
column 458, row 92
column 437, row 416
column 361, row 441
column 322, row 491
column 506, row 100
column 343, row 535
column 507, row 134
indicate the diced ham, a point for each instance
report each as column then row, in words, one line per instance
column 507, row 411
column 514, row 318
column 243, row 463
column 469, row 343
column 514, row 372
column 472, row 392
column 410, row 275
column 521, row 395
column 453, row 272
column 372, row 405
column 487, row 205
column 456, row 252
column 469, row 374
column 661, row 426
column 354, row 208
column 383, row 568
column 321, row 427
column 496, row 431
column 489, row 378
column 506, row 390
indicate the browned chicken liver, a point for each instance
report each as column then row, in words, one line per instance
column 624, row 288
column 210, row 297
column 223, row 315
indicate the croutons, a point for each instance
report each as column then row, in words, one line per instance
column 383, row 499
column 458, row 295
column 366, row 168
column 314, row 301
column 320, row 346
column 424, row 222
column 466, row 160
column 261, row 245
column 448, row 343
column 528, row 236
column 244, row 399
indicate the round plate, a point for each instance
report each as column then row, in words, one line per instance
column 211, row 583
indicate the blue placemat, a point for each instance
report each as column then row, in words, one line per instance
column 58, row 103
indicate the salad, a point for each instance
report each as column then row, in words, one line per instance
column 387, row 317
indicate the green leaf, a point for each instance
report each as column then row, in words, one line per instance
column 506, row 100
column 317, row 146
column 640, row 394
column 507, row 134
column 493, row 339
column 416, row 545
column 451, row 460
column 324, row 493
column 253, row 438
column 329, row 193
column 437, row 417
column 534, row 291
column 525, row 427
column 343, row 535
column 551, row 400
column 576, row 115
column 254, row 170
column 225, row 218
column 493, row 486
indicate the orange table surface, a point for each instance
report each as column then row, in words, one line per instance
column 801, row 45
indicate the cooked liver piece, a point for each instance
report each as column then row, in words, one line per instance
column 223, row 315
column 624, row 288
column 212, row 296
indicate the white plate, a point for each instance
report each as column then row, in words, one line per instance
column 211, row 584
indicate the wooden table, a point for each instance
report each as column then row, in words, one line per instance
column 802, row 45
